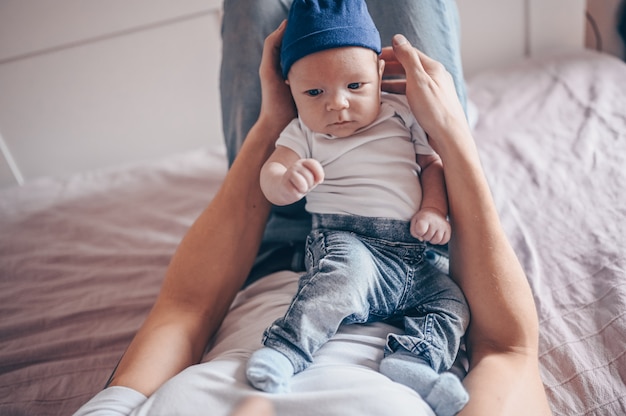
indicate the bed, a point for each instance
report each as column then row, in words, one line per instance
column 82, row 259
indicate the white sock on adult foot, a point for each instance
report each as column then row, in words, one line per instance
column 443, row 392
column 269, row 370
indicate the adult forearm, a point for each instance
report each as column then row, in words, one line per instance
column 217, row 253
column 502, row 338
column 159, row 351
column 482, row 259
column 207, row 270
column 505, row 384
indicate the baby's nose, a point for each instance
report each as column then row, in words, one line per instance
column 337, row 102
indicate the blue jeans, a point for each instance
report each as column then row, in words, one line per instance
column 361, row 270
column 430, row 25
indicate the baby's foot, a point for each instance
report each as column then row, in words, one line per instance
column 443, row 392
column 448, row 396
column 269, row 370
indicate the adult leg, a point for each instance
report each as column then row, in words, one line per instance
column 245, row 25
column 430, row 25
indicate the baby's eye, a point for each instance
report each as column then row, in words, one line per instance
column 314, row 92
column 354, row 85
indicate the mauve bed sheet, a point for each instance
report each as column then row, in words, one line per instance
column 82, row 258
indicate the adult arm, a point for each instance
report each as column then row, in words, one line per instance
column 502, row 338
column 214, row 258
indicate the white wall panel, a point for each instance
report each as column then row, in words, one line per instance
column 38, row 25
column 141, row 96
column 556, row 25
column 493, row 33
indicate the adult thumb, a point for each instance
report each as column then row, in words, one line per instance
column 405, row 53
column 413, row 60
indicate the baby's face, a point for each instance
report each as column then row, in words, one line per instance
column 337, row 91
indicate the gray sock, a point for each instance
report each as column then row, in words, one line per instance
column 443, row 392
column 448, row 396
column 269, row 370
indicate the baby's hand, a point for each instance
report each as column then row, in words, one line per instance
column 431, row 225
column 301, row 177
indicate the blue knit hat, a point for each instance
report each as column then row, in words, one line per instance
column 317, row 25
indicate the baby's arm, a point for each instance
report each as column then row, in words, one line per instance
column 286, row 178
column 430, row 222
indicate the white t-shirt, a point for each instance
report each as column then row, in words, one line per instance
column 372, row 173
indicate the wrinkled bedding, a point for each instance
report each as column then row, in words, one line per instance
column 82, row 259
column 552, row 136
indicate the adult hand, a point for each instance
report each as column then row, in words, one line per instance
column 428, row 87
column 277, row 105
column 394, row 77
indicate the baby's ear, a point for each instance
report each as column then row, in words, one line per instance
column 381, row 67
column 287, row 81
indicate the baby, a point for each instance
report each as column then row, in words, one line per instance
column 376, row 192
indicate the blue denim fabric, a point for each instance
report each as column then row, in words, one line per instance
column 430, row 25
column 361, row 270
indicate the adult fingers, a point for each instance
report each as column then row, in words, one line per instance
column 387, row 54
column 394, row 77
column 276, row 101
column 270, row 60
column 406, row 54
column 393, row 69
column 392, row 65
column 395, row 86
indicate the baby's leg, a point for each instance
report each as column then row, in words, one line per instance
column 335, row 289
column 443, row 392
column 435, row 319
column 432, row 26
